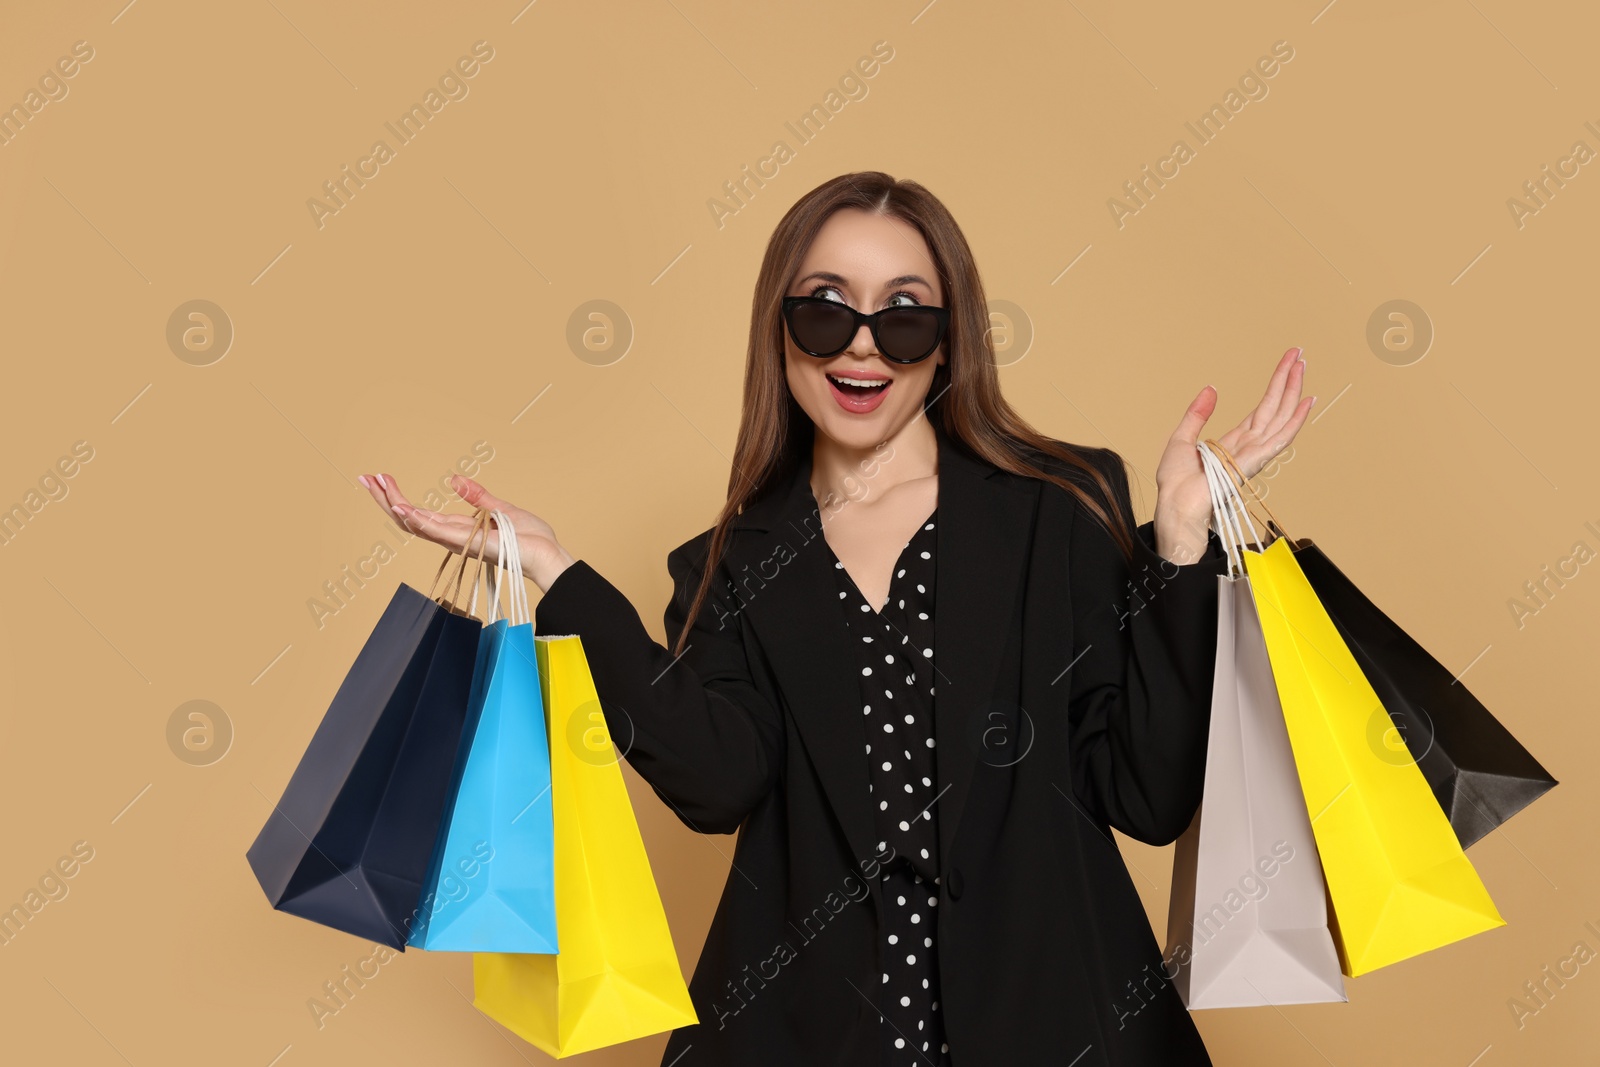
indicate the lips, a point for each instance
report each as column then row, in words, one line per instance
column 859, row 399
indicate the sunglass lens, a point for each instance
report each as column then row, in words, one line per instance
column 821, row 326
column 909, row 333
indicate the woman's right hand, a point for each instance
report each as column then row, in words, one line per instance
column 543, row 558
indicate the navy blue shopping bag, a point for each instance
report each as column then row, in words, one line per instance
column 349, row 844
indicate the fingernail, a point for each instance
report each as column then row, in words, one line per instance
column 362, row 478
column 381, row 482
column 398, row 510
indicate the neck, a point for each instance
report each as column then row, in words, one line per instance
column 841, row 472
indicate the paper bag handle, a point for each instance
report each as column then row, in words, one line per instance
column 1228, row 508
column 480, row 520
column 1274, row 525
column 511, row 565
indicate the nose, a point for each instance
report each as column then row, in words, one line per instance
column 862, row 344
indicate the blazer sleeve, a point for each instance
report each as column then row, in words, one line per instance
column 696, row 729
column 1144, row 659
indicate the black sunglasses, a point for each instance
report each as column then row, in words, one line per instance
column 908, row 333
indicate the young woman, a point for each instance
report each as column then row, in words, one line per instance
column 932, row 664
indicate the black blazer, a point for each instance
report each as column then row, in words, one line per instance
column 1068, row 702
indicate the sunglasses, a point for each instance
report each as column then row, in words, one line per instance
column 904, row 334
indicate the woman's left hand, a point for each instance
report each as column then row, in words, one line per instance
column 1183, row 501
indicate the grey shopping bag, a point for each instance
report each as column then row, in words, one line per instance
column 1248, row 923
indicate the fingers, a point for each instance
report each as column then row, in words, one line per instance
column 476, row 495
column 1266, row 414
column 1195, row 417
column 1289, row 395
column 439, row 527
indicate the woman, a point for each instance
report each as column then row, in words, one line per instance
column 924, row 871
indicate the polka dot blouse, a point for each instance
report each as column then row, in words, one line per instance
column 894, row 659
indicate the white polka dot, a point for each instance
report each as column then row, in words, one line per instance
column 927, row 652
column 927, row 555
column 928, row 527
column 908, row 789
column 882, row 805
column 901, row 572
column 916, row 918
column 905, row 1002
column 866, row 670
column 922, row 614
column 888, row 659
column 911, row 959
column 930, row 742
column 924, row 853
column 865, row 608
column 927, row 781
column 888, row 727
column 912, row 718
column 900, row 900
column 894, row 939
column 886, row 767
column 933, row 902
column 899, row 1042
column 920, row 589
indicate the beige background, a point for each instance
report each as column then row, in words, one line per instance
column 433, row 310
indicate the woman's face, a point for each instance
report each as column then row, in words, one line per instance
column 869, row 262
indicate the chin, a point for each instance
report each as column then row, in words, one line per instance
column 856, row 431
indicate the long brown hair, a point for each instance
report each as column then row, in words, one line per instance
column 773, row 429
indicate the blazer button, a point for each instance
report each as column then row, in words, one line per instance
column 952, row 884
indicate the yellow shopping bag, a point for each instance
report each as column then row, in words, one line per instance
column 1397, row 877
column 616, row 976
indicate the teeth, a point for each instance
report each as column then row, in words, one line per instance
column 871, row 383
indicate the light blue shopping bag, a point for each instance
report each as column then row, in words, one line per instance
column 491, row 883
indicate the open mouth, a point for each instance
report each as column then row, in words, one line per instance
column 858, row 395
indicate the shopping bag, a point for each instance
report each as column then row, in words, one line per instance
column 349, row 843
column 1399, row 882
column 1480, row 774
column 616, row 977
column 1248, row 921
column 491, row 885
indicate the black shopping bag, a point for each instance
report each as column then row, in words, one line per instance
column 1480, row 774
column 348, row 845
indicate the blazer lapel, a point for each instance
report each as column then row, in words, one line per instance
column 786, row 590
column 985, row 535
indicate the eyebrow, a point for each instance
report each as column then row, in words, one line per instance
column 839, row 279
